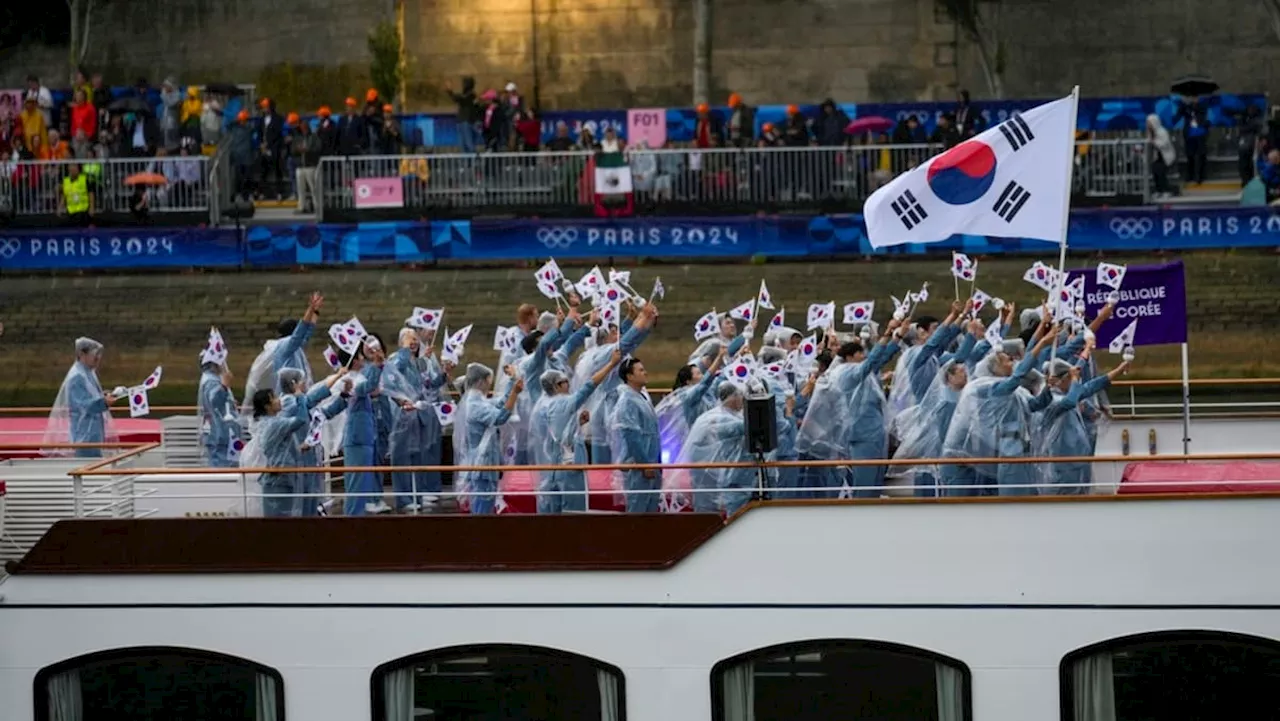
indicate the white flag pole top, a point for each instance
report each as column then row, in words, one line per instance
column 1065, row 217
column 1011, row 181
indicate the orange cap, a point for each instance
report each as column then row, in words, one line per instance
column 242, row 116
column 324, row 111
column 703, row 108
column 351, row 102
column 292, row 118
column 793, row 110
column 371, row 95
column 735, row 100
column 387, row 108
column 767, row 127
column 264, row 103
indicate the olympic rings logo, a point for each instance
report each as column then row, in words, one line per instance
column 1131, row 228
column 555, row 237
column 10, row 247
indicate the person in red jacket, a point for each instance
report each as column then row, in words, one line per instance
column 530, row 130
column 83, row 116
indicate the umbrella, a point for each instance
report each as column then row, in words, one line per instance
column 1194, row 85
column 146, row 179
column 229, row 89
column 873, row 124
column 135, row 105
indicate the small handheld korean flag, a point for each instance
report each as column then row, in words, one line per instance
column 153, row 380
column 549, row 273
column 235, row 447
column 806, row 353
column 1011, row 181
column 859, row 313
column 592, row 284
column 444, row 412
column 963, row 267
column 613, row 294
column 426, row 318
column 739, row 371
column 315, row 432
column 980, row 300
column 993, row 336
column 1041, row 276
column 1125, row 339
column 659, row 290
column 763, row 299
column 138, row 404
column 707, row 326
column 502, row 340
column 331, row 357
column 216, row 349
column 1110, row 275
column 779, row 320
column 621, row 277
column 345, row 337
column 744, row 311
column 610, row 314
column 821, row 315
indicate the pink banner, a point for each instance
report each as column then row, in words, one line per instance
column 647, row 125
column 379, row 193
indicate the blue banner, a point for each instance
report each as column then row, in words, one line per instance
column 131, row 248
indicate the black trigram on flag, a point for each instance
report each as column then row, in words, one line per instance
column 909, row 210
column 1016, row 131
column 1011, row 201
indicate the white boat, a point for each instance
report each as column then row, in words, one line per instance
column 1089, row 609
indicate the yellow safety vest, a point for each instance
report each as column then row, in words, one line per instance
column 76, row 191
column 92, row 169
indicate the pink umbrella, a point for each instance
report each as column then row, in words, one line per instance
column 873, row 124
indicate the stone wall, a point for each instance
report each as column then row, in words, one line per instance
column 146, row 320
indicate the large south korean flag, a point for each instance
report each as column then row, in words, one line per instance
column 1011, row 181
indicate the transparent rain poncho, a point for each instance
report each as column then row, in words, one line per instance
column 476, row 440
column 601, row 402
column 679, row 409
column 923, row 427
column 718, row 436
column 80, row 413
column 633, row 439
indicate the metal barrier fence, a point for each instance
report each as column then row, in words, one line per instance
column 31, row 188
column 710, row 180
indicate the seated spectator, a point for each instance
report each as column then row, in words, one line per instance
column 84, row 117
column 33, row 123
column 59, row 149
column 562, row 142
column 39, row 148
column 19, row 151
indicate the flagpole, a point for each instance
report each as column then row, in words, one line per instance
column 1066, row 214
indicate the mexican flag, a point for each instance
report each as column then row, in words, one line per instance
column 613, row 175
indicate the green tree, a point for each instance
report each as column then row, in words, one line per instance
column 384, row 63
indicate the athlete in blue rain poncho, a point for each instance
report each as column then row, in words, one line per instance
column 537, row 348
column 692, row 395
column 360, row 435
column 273, row 434
column 784, row 398
column 633, row 439
column 288, row 350
column 567, row 345
column 411, row 383
column 475, row 438
column 1062, row 430
column 918, row 364
column 600, row 405
column 554, row 429
column 718, row 436
column 81, row 412
column 219, row 423
column 870, row 437
column 992, row 420
column 923, row 427
column 298, row 401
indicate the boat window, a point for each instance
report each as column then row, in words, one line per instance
column 509, row 682
column 1173, row 676
column 819, row 680
column 158, row 684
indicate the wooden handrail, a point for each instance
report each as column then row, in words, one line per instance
column 1178, row 458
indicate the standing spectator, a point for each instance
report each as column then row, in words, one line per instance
column 491, row 120
column 100, row 96
column 468, row 113
column 305, row 149
column 80, row 81
column 76, row 202
column 1163, row 154
column 968, row 118
column 795, row 134
column 351, row 136
column 529, row 129
column 240, row 149
column 142, row 133
column 42, row 96
column 371, row 100
column 742, row 122
column 611, row 144
column 192, row 112
column 113, row 138
column 271, row 150
column 946, row 133
column 327, row 132
column 828, row 129
column 1195, row 136
column 10, row 124
column 59, row 149
column 392, row 141
column 1249, row 143
column 33, row 122
column 512, row 108
column 707, row 130
column 1269, row 173
column 171, row 111
column 372, row 128
column 39, row 148
column 84, row 117
column 81, row 145
column 908, row 132
column 562, row 142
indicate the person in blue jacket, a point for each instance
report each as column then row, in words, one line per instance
column 82, row 412
column 299, row 401
column 476, row 440
column 360, row 436
column 634, row 439
column 273, row 435
column 554, row 432
column 218, row 423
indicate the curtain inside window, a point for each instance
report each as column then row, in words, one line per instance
column 264, row 698
column 397, row 694
column 608, row 695
column 950, row 683
column 1093, row 688
column 740, row 693
column 65, row 701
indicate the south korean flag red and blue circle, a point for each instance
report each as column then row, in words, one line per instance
column 1011, row 181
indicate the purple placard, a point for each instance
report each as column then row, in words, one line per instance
column 1154, row 295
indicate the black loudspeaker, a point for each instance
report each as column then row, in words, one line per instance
column 762, row 424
